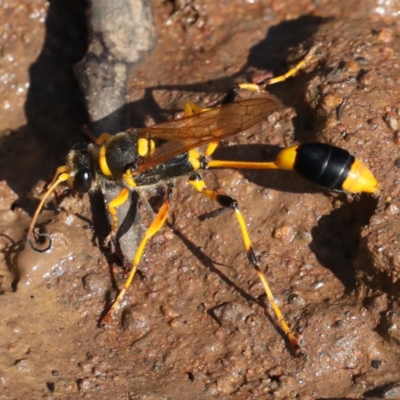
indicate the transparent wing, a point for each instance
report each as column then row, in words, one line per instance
column 182, row 135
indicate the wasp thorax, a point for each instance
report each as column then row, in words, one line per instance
column 122, row 153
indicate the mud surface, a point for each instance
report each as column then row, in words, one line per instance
column 195, row 323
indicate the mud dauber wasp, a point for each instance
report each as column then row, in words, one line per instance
column 156, row 155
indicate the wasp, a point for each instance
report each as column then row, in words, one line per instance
column 141, row 158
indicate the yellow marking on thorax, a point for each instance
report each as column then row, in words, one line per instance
column 103, row 161
column 143, row 147
column 152, row 146
column 128, row 178
column 211, row 148
column 194, row 159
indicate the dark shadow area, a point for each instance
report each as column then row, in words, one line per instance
column 371, row 279
column 55, row 106
column 9, row 252
column 100, row 224
column 336, row 238
column 374, row 279
column 270, row 53
column 387, row 391
column 331, row 398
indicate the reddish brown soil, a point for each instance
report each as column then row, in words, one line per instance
column 195, row 323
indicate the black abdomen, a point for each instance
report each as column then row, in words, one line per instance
column 325, row 165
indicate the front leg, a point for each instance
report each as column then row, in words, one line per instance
column 156, row 225
column 112, row 207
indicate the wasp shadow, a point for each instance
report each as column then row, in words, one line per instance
column 55, row 105
column 336, row 238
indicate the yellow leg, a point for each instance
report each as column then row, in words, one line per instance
column 121, row 199
column 211, row 148
column 227, row 202
column 192, row 108
column 254, row 87
column 295, row 69
column 241, row 164
column 153, row 229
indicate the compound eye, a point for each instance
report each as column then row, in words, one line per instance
column 82, row 180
